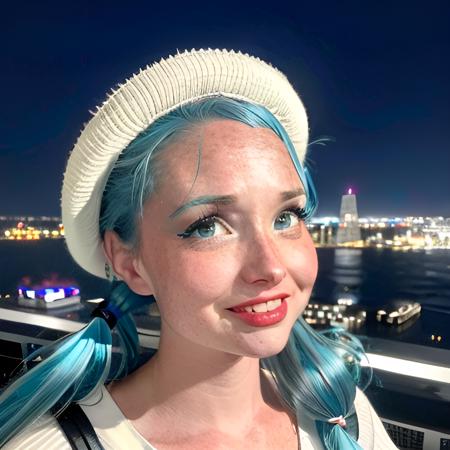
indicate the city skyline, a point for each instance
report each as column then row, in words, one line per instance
column 55, row 215
column 333, row 216
column 374, row 80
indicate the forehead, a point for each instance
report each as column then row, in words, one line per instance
column 226, row 151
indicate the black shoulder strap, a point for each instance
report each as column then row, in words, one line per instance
column 79, row 431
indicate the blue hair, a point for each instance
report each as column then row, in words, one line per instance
column 315, row 372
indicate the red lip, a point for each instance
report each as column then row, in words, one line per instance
column 255, row 301
column 263, row 319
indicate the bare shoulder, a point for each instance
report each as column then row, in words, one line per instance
column 43, row 434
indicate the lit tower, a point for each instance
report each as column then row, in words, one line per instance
column 348, row 224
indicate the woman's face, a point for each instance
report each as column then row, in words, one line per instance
column 223, row 229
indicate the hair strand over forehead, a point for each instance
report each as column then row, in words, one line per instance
column 123, row 198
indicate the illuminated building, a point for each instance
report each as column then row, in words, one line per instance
column 30, row 228
column 348, row 227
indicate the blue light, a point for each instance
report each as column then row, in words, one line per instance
column 49, row 292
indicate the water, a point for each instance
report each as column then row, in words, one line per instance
column 374, row 278
column 44, row 260
column 383, row 278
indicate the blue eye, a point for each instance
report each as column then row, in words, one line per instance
column 289, row 218
column 206, row 227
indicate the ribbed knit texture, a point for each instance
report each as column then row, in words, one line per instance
column 142, row 99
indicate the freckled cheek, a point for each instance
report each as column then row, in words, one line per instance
column 303, row 266
column 205, row 276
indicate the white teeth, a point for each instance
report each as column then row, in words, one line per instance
column 260, row 307
column 273, row 304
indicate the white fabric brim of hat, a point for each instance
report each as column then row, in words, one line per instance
column 136, row 104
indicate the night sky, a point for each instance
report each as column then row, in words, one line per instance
column 374, row 77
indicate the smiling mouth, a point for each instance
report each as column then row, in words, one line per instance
column 262, row 314
column 259, row 307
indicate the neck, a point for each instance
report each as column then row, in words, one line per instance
column 197, row 388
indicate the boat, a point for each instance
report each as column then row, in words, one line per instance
column 48, row 297
column 400, row 315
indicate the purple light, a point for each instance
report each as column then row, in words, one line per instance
column 49, row 294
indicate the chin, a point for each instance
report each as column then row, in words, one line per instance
column 267, row 348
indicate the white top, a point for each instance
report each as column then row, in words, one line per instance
column 116, row 432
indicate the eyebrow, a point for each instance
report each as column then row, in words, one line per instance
column 226, row 200
column 204, row 200
column 287, row 195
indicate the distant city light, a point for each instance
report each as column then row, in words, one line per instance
column 48, row 294
column 396, row 233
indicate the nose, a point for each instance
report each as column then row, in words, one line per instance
column 262, row 263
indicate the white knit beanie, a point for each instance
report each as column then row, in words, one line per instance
column 142, row 99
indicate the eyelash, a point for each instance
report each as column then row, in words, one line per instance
column 209, row 220
column 204, row 220
column 299, row 212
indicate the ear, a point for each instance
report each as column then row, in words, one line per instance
column 125, row 264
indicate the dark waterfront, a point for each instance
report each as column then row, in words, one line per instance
column 380, row 278
column 373, row 278
column 44, row 259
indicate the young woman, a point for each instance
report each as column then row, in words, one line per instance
column 187, row 188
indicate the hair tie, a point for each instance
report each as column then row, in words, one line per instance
column 338, row 421
column 109, row 312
